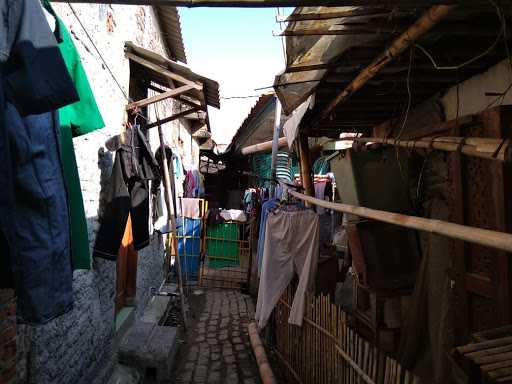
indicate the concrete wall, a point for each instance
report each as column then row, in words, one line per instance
column 78, row 346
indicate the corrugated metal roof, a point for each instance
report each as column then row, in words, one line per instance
column 210, row 87
column 170, row 27
column 266, row 122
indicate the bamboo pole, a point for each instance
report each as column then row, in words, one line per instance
column 267, row 376
column 492, row 149
column 266, row 146
column 492, row 239
column 428, row 20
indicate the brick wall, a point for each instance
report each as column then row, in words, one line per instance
column 78, row 347
column 7, row 337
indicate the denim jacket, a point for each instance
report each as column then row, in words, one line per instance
column 34, row 82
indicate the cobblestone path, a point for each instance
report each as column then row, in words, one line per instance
column 217, row 347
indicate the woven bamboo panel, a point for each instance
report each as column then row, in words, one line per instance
column 326, row 350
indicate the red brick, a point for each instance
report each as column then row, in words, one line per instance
column 8, row 376
column 7, row 310
column 6, row 295
column 7, row 333
column 8, row 351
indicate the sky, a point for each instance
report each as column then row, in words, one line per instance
column 236, row 48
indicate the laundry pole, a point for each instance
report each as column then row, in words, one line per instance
column 171, row 222
column 275, row 146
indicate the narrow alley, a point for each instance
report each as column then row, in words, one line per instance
column 217, row 347
column 256, row 192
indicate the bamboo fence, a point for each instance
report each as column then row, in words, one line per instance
column 326, row 350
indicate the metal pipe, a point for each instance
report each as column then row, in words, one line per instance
column 428, row 20
column 485, row 237
column 275, row 145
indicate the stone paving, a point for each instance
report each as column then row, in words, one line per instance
column 217, row 347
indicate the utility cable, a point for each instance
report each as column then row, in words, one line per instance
column 98, row 51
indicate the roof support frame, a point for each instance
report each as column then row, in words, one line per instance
column 428, row 20
column 164, row 72
column 173, row 93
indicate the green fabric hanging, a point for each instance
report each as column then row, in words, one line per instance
column 75, row 119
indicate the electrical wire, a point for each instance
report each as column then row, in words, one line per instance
column 98, row 51
column 409, row 93
column 240, row 97
column 467, row 62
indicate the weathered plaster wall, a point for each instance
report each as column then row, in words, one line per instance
column 78, row 346
column 472, row 92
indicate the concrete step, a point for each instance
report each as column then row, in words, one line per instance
column 148, row 347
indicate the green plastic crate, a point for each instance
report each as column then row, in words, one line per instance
column 222, row 245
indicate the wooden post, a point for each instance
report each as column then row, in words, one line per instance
column 305, row 166
column 171, row 222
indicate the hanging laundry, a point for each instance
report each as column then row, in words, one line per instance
column 265, row 208
column 191, row 208
column 33, row 205
column 291, row 246
column 134, row 165
column 75, row 120
column 190, row 184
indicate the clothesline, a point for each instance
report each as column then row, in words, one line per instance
column 492, row 239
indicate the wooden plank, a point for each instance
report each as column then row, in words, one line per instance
column 160, row 97
column 171, row 118
column 465, row 349
column 489, row 352
column 493, row 366
column 493, row 358
column 336, row 15
column 164, row 72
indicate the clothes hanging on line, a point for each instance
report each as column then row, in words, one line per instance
column 291, row 246
column 75, row 119
column 265, row 208
column 190, row 208
column 34, row 83
column 134, row 165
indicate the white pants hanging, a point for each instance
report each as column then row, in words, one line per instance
column 291, row 246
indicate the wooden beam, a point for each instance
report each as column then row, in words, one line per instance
column 383, row 29
column 263, row 147
column 328, row 32
column 191, row 103
column 428, row 20
column 164, row 72
column 162, row 96
column 485, row 237
column 335, row 15
column 171, row 118
column 280, row 3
